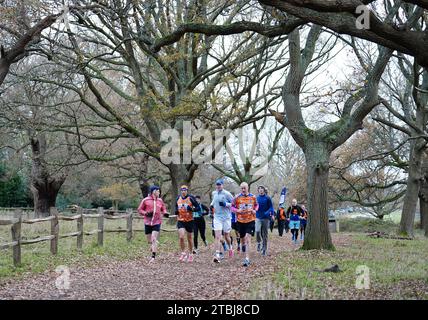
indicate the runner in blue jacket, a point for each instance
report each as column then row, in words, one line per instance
column 264, row 216
column 294, row 212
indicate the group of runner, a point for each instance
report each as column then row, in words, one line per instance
column 244, row 213
column 293, row 219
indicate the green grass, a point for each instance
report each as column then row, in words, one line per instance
column 367, row 225
column 398, row 269
column 394, row 217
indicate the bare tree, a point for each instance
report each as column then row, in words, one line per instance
column 408, row 105
column 319, row 144
column 397, row 34
column 138, row 92
column 21, row 25
column 28, row 107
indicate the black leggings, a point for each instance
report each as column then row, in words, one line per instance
column 281, row 227
column 199, row 225
column 295, row 232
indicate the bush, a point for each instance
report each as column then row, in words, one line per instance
column 13, row 189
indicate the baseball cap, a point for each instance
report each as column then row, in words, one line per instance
column 219, row 181
column 184, row 187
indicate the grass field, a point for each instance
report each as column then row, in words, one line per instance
column 397, row 269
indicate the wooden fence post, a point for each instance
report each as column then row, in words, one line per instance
column 100, row 226
column 54, row 230
column 80, row 228
column 16, row 236
column 129, row 225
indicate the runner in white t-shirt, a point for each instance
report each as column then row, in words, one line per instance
column 222, row 201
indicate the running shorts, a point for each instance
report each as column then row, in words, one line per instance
column 188, row 225
column 244, row 228
column 294, row 224
column 224, row 224
column 148, row 229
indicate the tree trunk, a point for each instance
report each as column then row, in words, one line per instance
column 317, row 234
column 44, row 197
column 145, row 188
column 45, row 192
column 425, row 221
column 4, row 69
column 44, row 186
column 412, row 192
column 143, row 180
column 179, row 176
column 423, row 197
column 424, row 215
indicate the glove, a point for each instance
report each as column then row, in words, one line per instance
column 222, row 204
column 166, row 215
column 188, row 208
column 149, row 214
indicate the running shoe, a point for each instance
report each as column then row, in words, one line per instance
column 195, row 251
column 152, row 260
column 231, row 253
column 217, row 258
column 225, row 246
column 190, row 258
column 264, row 253
column 205, row 243
column 246, row 262
column 183, row 256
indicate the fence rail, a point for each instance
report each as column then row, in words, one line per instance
column 18, row 241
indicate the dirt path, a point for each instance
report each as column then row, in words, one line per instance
column 167, row 278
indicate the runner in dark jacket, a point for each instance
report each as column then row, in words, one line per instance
column 199, row 223
column 281, row 216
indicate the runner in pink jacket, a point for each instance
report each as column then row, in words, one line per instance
column 152, row 208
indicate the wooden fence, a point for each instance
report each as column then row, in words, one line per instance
column 17, row 221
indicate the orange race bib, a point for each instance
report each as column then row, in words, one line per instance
column 183, row 214
column 246, row 204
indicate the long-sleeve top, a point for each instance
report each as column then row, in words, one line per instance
column 265, row 210
column 294, row 212
column 304, row 215
column 222, row 196
column 202, row 210
column 151, row 205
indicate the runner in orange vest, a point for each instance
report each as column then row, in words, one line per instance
column 282, row 221
column 245, row 206
column 184, row 207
